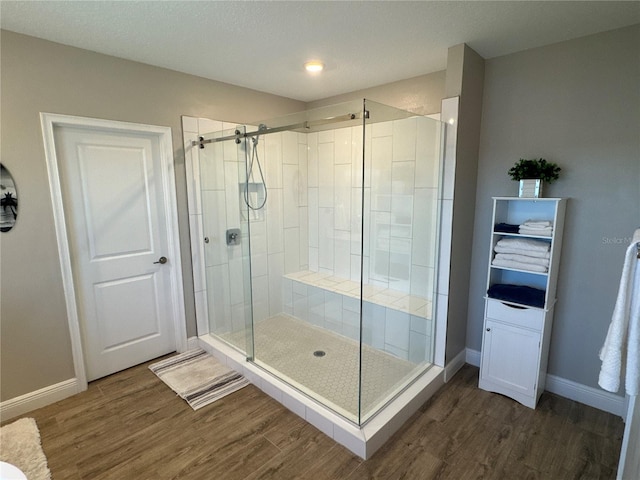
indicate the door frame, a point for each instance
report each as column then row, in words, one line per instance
column 48, row 122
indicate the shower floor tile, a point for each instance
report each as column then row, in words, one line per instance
column 285, row 346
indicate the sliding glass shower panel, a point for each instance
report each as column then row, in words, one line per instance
column 400, row 211
column 227, row 254
column 309, row 335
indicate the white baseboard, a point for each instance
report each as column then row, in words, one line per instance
column 454, row 365
column 192, row 343
column 38, row 399
column 594, row 397
column 473, row 357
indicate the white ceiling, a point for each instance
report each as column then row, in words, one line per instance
column 262, row 45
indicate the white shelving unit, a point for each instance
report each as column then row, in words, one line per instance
column 516, row 335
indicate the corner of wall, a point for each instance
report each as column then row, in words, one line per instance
column 465, row 77
column 455, row 365
column 453, row 75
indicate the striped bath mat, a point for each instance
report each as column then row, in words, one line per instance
column 198, row 378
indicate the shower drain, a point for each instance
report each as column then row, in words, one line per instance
column 319, row 353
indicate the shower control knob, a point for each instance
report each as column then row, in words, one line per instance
column 161, row 260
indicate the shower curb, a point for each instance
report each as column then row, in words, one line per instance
column 363, row 441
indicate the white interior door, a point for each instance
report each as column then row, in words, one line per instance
column 114, row 201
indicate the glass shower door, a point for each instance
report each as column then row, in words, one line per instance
column 306, row 278
column 227, row 250
column 402, row 169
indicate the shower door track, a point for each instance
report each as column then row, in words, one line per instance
column 201, row 142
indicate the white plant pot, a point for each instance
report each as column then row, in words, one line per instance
column 530, row 188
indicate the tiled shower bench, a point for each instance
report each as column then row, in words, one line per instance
column 393, row 321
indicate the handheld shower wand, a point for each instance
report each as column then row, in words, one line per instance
column 255, row 160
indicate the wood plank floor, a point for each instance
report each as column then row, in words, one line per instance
column 132, row 426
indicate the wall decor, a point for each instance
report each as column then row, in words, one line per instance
column 8, row 200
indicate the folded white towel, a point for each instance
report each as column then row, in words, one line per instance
column 525, row 244
column 542, row 232
column 623, row 336
column 519, row 265
column 537, row 224
column 514, row 257
column 520, row 251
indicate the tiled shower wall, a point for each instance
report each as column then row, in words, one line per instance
column 215, row 175
column 281, row 229
column 401, row 181
column 400, row 195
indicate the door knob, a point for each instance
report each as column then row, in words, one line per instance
column 162, row 260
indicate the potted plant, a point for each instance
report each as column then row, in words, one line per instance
column 532, row 173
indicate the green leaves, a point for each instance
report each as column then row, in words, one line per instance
column 535, row 168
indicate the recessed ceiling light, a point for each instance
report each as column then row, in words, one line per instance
column 314, row 66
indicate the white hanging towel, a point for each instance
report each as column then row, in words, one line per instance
column 622, row 344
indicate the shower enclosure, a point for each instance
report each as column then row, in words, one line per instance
column 319, row 241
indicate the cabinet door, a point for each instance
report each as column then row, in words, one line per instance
column 510, row 357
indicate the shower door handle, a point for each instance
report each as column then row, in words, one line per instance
column 161, row 260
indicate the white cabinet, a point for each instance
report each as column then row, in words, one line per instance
column 510, row 357
column 520, row 301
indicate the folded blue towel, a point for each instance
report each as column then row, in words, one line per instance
column 522, row 294
column 505, row 228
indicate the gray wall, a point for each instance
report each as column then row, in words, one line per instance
column 422, row 95
column 576, row 103
column 40, row 76
column 465, row 76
